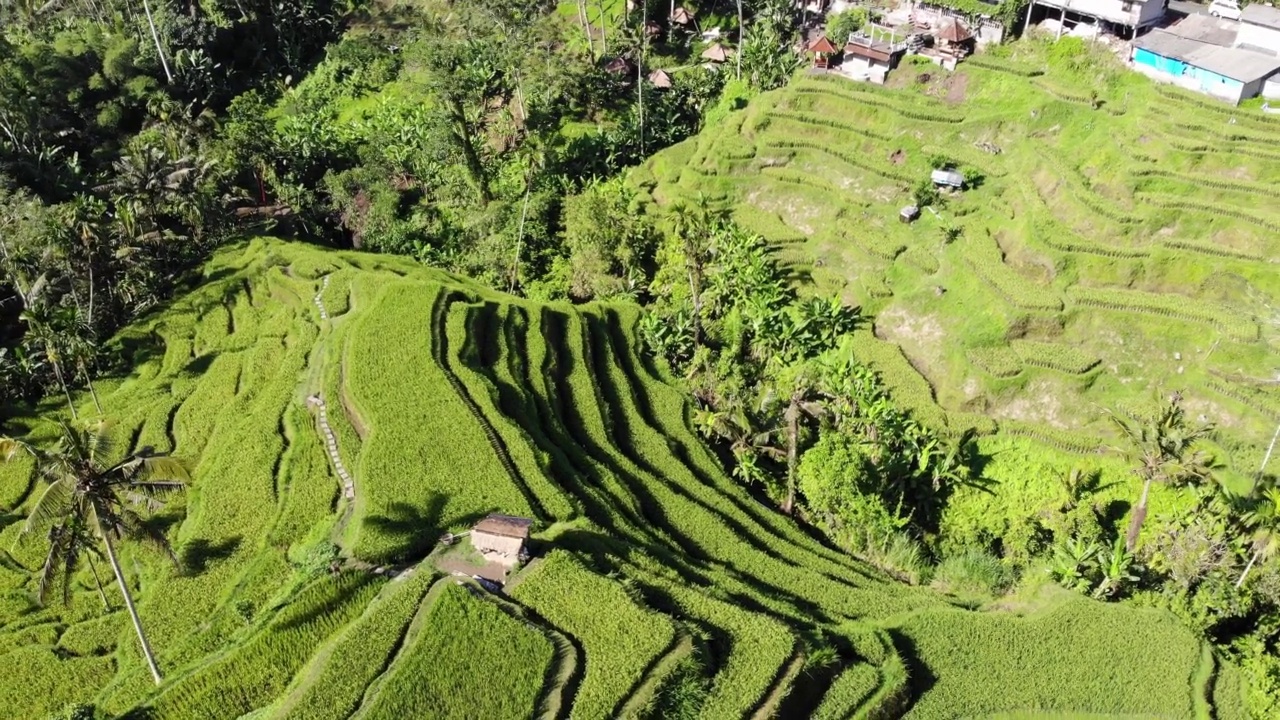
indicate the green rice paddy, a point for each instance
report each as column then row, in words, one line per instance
column 448, row 401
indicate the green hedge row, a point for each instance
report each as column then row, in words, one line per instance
column 1249, row 397
column 471, row 326
column 621, row 639
column 1208, row 181
column 1176, row 203
column 773, row 142
column 866, row 94
column 1081, row 190
column 470, row 660
column 1015, row 289
column 1063, row 240
column 1243, row 330
column 1055, row 356
column 826, row 122
column 1065, row 440
column 1000, row 361
column 421, row 430
column 903, row 381
column 749, row 649
column 332, row 688
column 1214, row 250
column 1082, row 656
column 255, row 674
column 987, row 62
column 921, row 259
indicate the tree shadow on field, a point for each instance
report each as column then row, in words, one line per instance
column 334, row 601
column 1113, row 515
column 197, row 555
column 920, row 679
column 416, row 530
column 200, row 365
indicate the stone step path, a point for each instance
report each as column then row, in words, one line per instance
column 331, row 446
column 330, row 440
column 324, row 283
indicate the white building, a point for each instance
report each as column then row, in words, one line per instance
column 1130, row 15
column 1260, row 29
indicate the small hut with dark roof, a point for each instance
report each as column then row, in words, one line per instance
column 617, row 66
column 953, row 36
column 660, row 79
column 716, row 53
column 501, row 538
column 822, row 50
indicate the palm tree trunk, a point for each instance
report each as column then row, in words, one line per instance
column 1139, row 515
column 515, row 266
column 1257, row 552
column 740, row 30
column 156, row 37
column 696, row 291
column 57, row 371
column 604, row 31
column 92, row 390
column 586, row 27
column 793, row 440
column 128, row 603
column 98, row 581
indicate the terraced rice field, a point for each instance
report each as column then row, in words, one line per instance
column 447, row 402
column 1116, row 238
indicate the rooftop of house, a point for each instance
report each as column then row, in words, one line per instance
column 1264, row 15
column 1236, row 63
column 504, row 525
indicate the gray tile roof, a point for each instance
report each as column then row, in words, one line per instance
column 1235, row 63
column 1258, row 14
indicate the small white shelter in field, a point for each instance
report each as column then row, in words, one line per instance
column 501, row 538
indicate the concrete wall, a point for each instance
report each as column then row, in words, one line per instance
column 1150, row 12
column 499, row 544
column 1271, row 88
column 1113, row 10
column 1174, row 72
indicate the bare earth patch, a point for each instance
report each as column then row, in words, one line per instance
column 1039, row 403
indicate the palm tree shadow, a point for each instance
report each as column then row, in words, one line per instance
column 338, row 599
column 197, row 555
column 415, row 529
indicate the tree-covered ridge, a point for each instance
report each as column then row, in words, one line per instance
column 596, row 447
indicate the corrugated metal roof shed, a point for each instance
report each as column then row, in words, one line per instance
column 1206, row 29
column 504, row 525
column 1235, row 63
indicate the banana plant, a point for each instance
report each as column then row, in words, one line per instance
column 1116, row 569
column 1073, row 564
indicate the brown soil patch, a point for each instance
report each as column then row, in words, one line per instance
column 1040, row 403
column 959, row 83
column 897, row 157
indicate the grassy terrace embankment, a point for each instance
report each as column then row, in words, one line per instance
column 447, row 402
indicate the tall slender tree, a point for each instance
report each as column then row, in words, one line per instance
column 91, row 495
column 1264, row 520
column 1165, row 452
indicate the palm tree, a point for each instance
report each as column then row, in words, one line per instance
column 535, row 152
column 799, row 387
column 692, row 225
column 1164, row 451
column 90, row 498
column 1264, row 520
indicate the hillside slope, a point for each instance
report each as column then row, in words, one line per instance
column 444, row 402
column 1116, row 237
